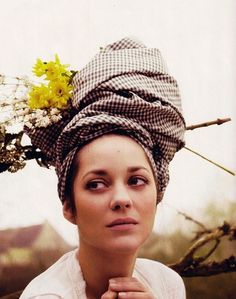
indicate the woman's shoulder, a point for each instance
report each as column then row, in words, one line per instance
column 160, row 278
column 155, row 267
column 55, row 282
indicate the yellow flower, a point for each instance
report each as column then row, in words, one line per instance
column 39, row 97
column 63, row 67
column 39, row 68
column 58, row 90
column 61, row 92
column 56, row 70
column 52, row 69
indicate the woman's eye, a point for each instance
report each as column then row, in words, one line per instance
column 137, row 181
column 95, row 185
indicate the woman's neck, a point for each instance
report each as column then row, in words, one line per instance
column 100, row 266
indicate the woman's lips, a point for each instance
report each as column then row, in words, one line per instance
column 122, row 224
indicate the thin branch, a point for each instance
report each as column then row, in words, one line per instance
column 187, row 217
column 212, row 162
column 219, row 121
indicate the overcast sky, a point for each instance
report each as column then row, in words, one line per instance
column 198, row 42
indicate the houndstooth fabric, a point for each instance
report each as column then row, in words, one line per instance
column 125, row 87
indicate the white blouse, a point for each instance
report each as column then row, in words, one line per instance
column 64, row 279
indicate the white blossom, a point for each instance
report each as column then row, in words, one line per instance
column 43, row 122
column 14, row 105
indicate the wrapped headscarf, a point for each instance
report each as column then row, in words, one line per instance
column 126, row 87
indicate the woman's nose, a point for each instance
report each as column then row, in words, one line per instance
column 120, row 199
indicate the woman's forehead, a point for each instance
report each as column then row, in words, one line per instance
column 112, row 148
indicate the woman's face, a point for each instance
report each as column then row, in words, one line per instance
column 114, row 194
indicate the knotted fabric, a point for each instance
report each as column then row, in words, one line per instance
column 125, row 88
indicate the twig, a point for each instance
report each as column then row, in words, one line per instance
column 219, row 121
column 215, row 163
column 187, row 217
column 190, row 265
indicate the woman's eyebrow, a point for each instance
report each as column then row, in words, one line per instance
column 136, row 168
column 103, row 172
column 100, row 172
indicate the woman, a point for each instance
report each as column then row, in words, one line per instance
column 111, row 156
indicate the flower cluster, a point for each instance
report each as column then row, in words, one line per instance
column 25, row 103
column 37, row 105
column 57, row 91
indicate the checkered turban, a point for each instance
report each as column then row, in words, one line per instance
column 125, row 87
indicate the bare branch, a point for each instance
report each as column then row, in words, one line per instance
column 192, row 265
column 219, row 121
column 209, row 269
column 212, row 162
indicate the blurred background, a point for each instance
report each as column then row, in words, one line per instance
column 198, row 42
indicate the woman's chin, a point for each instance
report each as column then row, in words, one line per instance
column 124, row 245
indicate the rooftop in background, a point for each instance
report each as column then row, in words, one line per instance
column 39, row 236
